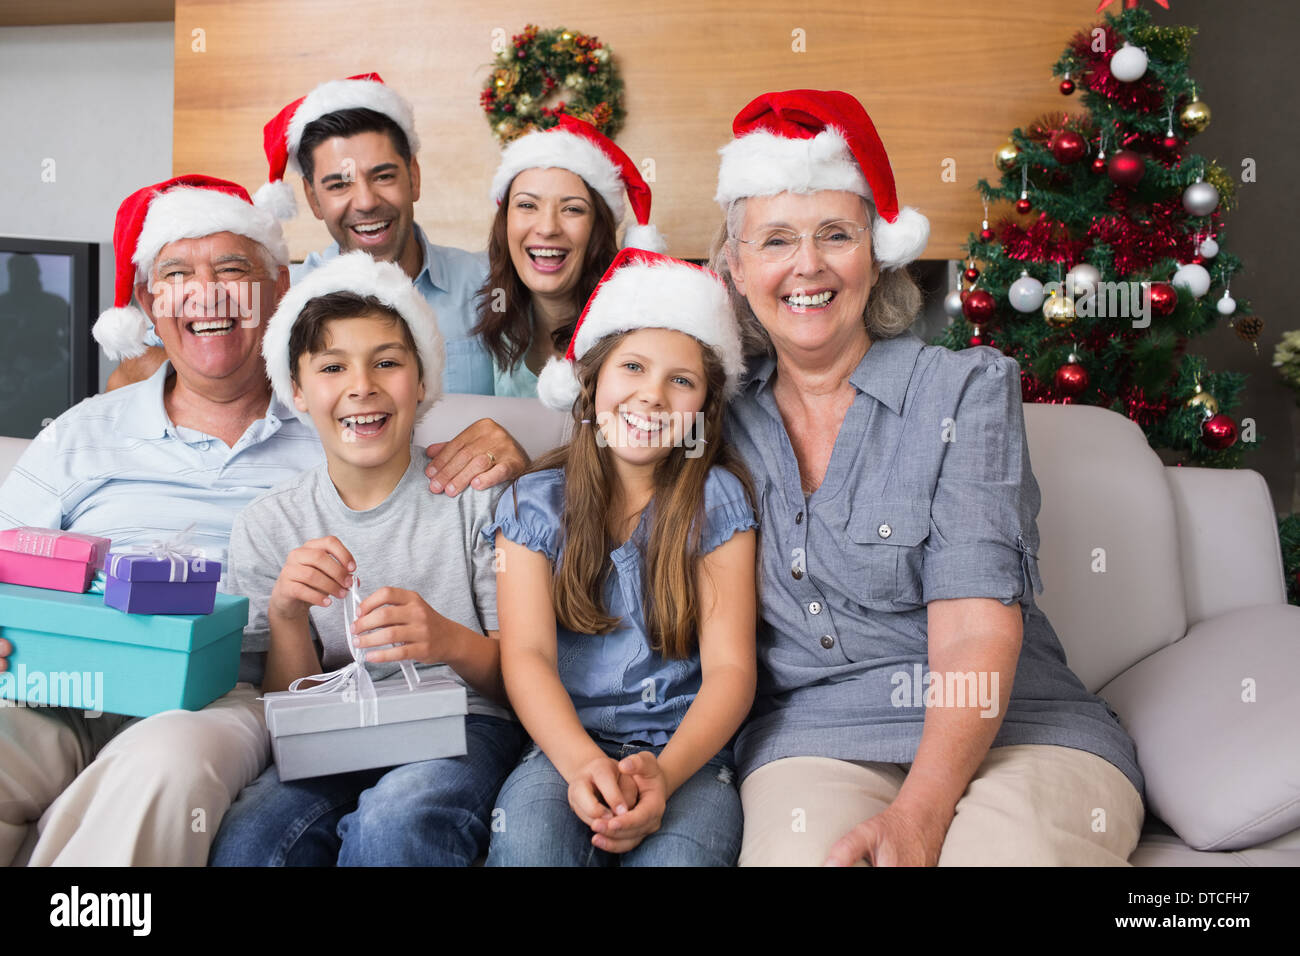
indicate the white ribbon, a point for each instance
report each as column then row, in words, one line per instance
column 173, row 551
column 36, row 541
column 352, row 679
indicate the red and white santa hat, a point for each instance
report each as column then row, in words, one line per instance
column 805, row 141
column 283, row 134
column 648, row 290
column 586, row 152
column 359, row 273
column 186, row 207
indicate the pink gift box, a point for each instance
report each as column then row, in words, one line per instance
column 41, row 558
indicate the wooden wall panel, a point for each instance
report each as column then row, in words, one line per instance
column 941, row 79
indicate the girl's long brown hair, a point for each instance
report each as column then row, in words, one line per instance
column 672, row 609
column 508, row 333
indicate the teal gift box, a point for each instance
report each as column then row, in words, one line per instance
column 73, row 650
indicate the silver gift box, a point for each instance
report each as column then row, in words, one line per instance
column 313, row 735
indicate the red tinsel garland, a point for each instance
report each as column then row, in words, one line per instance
column 1044, row 241
column 1140, row 236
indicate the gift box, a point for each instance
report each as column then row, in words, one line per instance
column 314, row 734
column 145, row 664
column 154, row 582
column 42, row 558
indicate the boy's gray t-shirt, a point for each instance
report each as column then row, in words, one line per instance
column 422, row 542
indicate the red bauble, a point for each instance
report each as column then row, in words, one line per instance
column 1023, row 206
column 986, row 235
column 977, row 340
column 971, row 274
column 1067, row 87
column 1171, row 142
column 1071, row 379
column 1164, row 298
column 1099, row 165
column 1126, row 168
column 1069, row 147
column 1219, row 432
column 978, row 307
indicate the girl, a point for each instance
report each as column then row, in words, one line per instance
column 626, row 588
column 559, row 197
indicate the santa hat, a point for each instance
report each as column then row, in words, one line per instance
column 282, row 136
column 361, row 274
column 586, row 152
column 805, row 141
column 648, row 290
column 186, row 207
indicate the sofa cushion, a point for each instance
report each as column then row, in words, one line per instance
column 1105, row 499
column 1215, row 719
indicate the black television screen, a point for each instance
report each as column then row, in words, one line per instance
column 49, row 296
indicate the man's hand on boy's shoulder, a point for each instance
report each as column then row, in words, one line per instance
column 404, row 619
column 483, row 456
column 313, row 575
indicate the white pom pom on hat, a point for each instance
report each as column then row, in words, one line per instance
column 359, row 273
column 806, row 141
column 586, row 152
column 185, row 207
column 648, row 290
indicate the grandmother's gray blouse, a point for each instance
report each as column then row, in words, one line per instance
column 928, row 495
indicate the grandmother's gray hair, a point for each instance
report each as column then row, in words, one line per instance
column 892, row 307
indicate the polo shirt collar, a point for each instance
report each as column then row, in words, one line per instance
column 144, row 413
column 884, row 372
column 431, row 272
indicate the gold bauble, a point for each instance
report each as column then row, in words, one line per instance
column 1206, row 402
column 1058, row 310
column 1006, row 156
column 1195, row 116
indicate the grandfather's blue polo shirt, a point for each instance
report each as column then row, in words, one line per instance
column 622, row 690
column 448, row 280
column 929, row 495
column 116, row 466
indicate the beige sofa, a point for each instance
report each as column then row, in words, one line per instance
column 1165, row 586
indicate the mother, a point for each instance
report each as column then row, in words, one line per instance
column 898, row 536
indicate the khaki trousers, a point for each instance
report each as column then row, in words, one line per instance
column 121, row 791
column 1027, row 805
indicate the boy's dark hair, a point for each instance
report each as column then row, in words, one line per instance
column 348, row 123
column 308, row 334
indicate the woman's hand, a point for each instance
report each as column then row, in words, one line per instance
column 897, row 836
column 483, row 455
column 598, row 791
column 621, row 833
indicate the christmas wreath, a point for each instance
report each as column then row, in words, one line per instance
column 570, row 70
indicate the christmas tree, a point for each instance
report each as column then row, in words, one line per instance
column 1112, row 261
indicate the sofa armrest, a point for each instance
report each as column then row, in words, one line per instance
column 1228, row 542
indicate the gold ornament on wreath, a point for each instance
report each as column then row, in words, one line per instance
column 546, row 73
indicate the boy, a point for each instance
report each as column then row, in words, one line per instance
column 357, row 348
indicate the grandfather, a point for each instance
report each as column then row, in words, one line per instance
column 191, row 445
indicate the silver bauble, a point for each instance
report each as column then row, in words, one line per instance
column 1195, row 279
column 952, row 304
column 1128, row 63
column 1200, row 199
column 1082, row 280
column 1227, row 305
column 1026, row 294
column 1208, row 248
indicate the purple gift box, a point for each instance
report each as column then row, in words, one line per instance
column 145, row 583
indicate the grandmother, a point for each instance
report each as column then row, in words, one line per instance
column 914, row 704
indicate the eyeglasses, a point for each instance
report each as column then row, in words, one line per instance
column 834, row 238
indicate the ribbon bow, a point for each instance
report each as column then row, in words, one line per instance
column 352, row 680
column 173, row 551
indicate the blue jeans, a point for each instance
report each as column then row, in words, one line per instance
column 534, row 825
column 432, row 813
